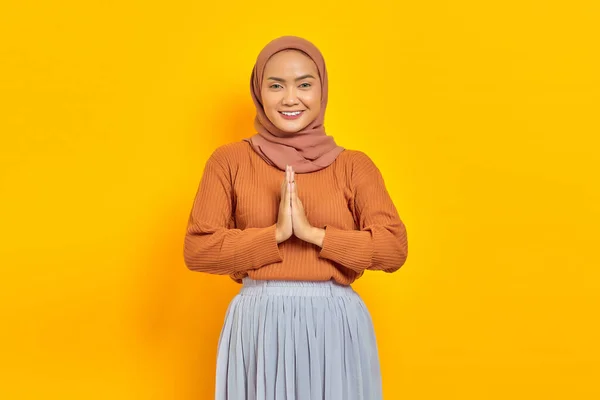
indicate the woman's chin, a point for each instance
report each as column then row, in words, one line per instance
column 291, row 127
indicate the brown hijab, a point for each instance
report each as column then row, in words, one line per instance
column 308, row 150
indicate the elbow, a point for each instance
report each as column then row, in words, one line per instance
column 397, row 258
column 393, row 267
column 391, row 251
column 401, row 251
column 195, row 251
column 402, row 256
column 193, row 259
column 189, row 261
column 199, row 264
column 201, row 259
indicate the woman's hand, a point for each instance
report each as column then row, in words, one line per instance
column 284, row 219
column 303, row 230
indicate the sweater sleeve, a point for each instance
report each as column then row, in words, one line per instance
column 380, row 243
column 212, row 243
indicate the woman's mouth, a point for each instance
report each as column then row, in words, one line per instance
column 291, row 114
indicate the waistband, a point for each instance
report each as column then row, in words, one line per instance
column 253, row 287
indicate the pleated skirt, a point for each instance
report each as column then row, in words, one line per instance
column 297, row 340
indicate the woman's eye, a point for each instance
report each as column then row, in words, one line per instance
column 275, row 86
column 305, row 85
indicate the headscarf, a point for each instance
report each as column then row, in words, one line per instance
column 308, row 150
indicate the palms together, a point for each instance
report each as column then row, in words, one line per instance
column 292, row 217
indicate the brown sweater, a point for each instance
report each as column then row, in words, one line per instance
column 231, row 229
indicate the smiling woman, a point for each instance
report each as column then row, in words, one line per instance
column 291, row 93
column 296, row 219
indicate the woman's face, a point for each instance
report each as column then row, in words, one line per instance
column 291, row 90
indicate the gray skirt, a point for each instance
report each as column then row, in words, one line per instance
column 297, row 340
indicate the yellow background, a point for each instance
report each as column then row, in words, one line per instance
column 482, row 116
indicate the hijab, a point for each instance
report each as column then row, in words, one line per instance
column 307, row 150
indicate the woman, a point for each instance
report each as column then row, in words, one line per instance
column 296, row 219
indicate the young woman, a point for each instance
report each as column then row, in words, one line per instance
column 296, row 219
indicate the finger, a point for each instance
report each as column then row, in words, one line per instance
column 286, row 181
column 288, row 193
column 294, row 195
column 288, row 202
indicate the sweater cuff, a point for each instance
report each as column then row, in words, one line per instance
column 264, row 250
column 351, row 248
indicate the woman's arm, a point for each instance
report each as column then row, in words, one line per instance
column 381, row 243
column 212, row 245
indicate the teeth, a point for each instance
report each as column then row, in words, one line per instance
column 291, row 113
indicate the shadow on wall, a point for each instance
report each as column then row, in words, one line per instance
column 181, row 313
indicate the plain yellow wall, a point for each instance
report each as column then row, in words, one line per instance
column 482, row 116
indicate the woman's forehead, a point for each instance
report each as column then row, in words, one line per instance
column 290, row 62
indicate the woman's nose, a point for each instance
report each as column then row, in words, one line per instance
column 290, row 98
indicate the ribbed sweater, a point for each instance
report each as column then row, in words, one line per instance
column 231, row 227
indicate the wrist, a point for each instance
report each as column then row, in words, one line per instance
column 317, row 236
column 278, row 235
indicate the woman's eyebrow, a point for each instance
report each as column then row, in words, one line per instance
column 274, row 78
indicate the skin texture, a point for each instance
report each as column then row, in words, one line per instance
column 291, row 83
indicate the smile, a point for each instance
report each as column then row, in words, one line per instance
column 291, row 114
